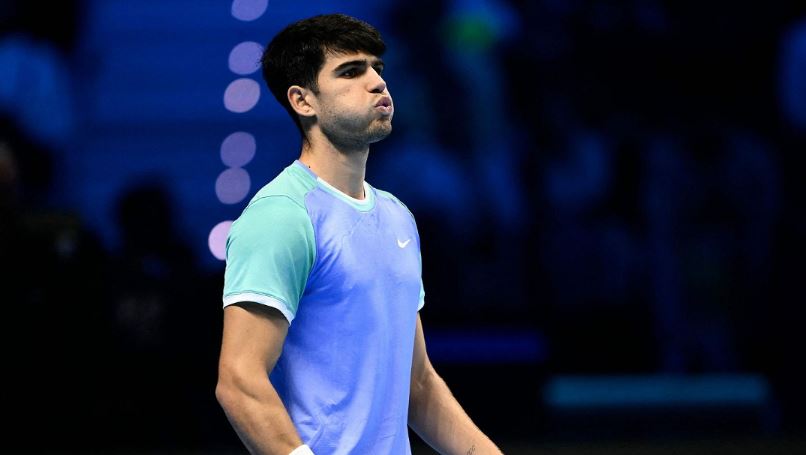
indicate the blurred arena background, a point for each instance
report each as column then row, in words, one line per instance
column 608, row 194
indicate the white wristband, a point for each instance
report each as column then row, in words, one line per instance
column 302, row 450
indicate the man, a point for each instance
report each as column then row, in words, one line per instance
column 323, row 280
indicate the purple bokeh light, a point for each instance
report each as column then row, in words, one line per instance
column 241, row 95
column 245, row 58
column 232, row 185
column 238, row 149
column 217, row 240
column 248, row 10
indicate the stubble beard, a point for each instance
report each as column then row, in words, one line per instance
column 356, row 133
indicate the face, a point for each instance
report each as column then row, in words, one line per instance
column 353, row 105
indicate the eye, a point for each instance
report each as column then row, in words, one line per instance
column 349, row 73
column 378, row 69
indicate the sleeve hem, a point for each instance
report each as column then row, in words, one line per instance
column 262, row 299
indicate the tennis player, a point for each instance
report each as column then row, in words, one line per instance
column 323, row 349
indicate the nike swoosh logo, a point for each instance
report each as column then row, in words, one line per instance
column 403, row 244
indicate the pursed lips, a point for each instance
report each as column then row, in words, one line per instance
column 384, row 105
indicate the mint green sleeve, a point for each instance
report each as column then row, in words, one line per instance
column 270, row 253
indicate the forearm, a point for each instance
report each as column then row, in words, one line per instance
column 258, row 416
column 436, row 416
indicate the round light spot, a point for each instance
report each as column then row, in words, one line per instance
column 245, row 58
column 248, row 10
column 232, row 185
column 241, row 95
column 217, row 240
column 238, row 149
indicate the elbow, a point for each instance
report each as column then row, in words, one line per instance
column 420, row 395
column 239, row 382
column 223, row 393
column 421, row 383
column 427, row 375
column 227, row 389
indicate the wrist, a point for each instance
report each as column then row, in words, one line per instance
column 302, row 450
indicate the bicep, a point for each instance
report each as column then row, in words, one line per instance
column 253, row 337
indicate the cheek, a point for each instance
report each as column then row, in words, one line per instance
column 344, row 101
column 345, row 97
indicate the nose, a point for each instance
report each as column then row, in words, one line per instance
column 376, row 83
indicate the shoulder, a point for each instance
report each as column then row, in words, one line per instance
column 294, row 183
column 270, row 220
column 392, row 199
column 277, row 207
column 273, row 209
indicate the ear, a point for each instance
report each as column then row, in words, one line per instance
column 301, row 101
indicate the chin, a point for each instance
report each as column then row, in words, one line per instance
column 379, row 133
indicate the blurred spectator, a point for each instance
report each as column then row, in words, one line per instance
column 711, row 201
column 163, row 314
column 474, row 31
column 35, row 84
column 52, row 272
column 792, row 86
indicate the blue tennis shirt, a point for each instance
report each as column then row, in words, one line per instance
column 346, row 273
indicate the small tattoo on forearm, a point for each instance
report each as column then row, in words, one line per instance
column 472, row 450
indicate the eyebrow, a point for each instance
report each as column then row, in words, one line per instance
column 359, row 63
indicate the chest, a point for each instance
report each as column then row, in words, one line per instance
column 359, row 252
column 363, row 292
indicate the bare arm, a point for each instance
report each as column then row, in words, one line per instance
column 434, row 413
column 252, row 342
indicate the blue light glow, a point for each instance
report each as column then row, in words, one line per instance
column 238, row 149
column 241, row 95
column 232, row 185
column 244, row 58
column 249, row 10
column 217, row 240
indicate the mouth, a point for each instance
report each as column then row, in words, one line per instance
column 384, row 105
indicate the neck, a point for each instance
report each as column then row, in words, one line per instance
column 343, row 169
